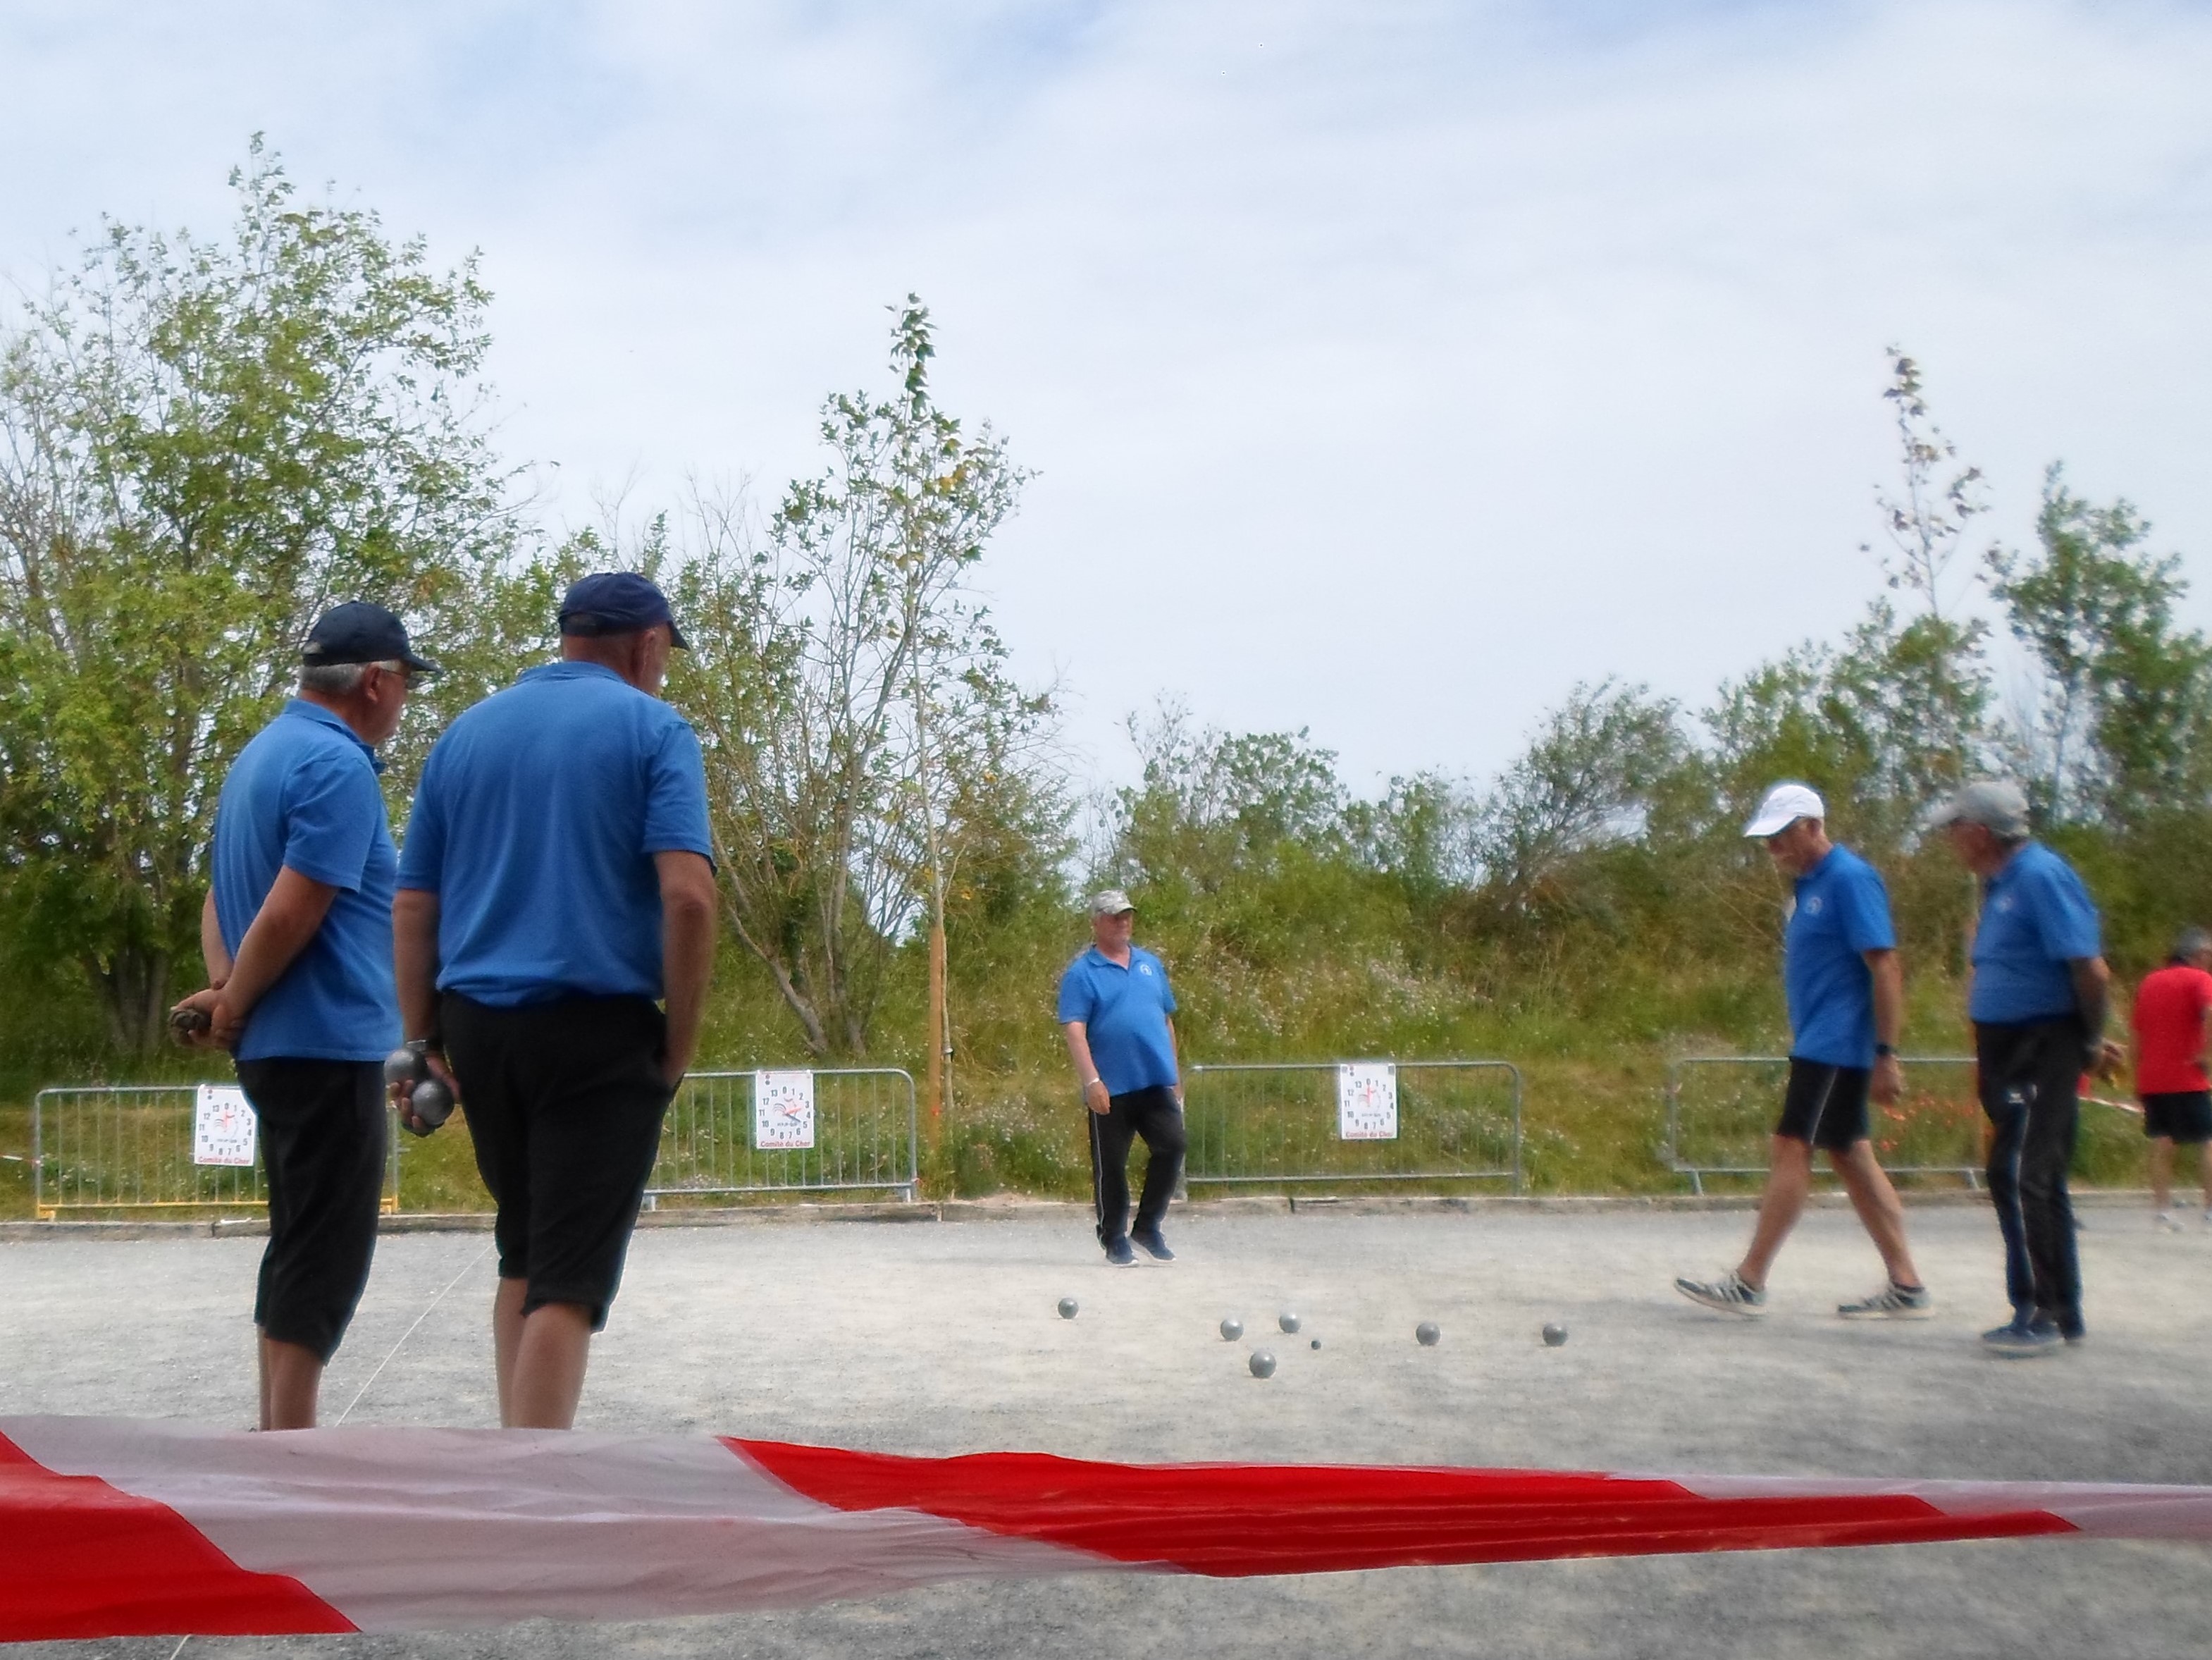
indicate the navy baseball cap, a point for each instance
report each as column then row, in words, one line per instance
column 358, row 632
column 616, row 602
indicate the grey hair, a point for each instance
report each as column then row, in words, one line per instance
column 340, row 679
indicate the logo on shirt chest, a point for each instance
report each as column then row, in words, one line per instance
column 1812, row 905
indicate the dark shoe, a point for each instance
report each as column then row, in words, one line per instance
column 1119, row 1254
column 2023, row 1340
column 1155, row 1247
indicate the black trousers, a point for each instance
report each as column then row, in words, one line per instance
column 1153, row 1115
column 2031, row 1086
column 322, row 1149
column 564, row 1103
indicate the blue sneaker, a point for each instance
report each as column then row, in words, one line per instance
column 1119, row 1254
column 2023, row 1338
column 1155, row 1247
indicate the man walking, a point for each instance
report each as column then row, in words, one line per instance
column 297, row 936
column 1846, row 995
column 2170, row 1017
column 556, row 884
column 1115, row 1010
column 2038, row 999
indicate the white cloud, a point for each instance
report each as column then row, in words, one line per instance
column 1388, row 368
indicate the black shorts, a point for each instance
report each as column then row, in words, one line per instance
column 564, row 1102
column 1825, row 1106
column 2185, row 1117
column 323, row 1145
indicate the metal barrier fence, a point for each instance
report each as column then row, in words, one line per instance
column 129, row 1146
column 1278, row 1123
column 1721, row 1110
column 862, row 1133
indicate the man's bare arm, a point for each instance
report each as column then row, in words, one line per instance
column 414, row 960
column 688, row 923
column 281, row 929
column 2092, row 999
column 213, row 951
column 1888, row 972
column 1086, row 1070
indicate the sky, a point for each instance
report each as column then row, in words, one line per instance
column 1386, row 369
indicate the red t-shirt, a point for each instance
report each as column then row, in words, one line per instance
column 2169, row 1022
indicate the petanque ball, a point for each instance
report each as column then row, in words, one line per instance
column 1427, row 1334
column 1067, row 1308
column 433, row 1101
column 401, row 1065
column 1287, row 1321
column 1554, row 1335
column 1316, row 1342
column 1262, row 1364
column 1232, row 1329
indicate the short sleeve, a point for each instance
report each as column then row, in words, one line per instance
column 331, row 811
column 422, row 855
column 2065, row 921
column 1076, row 1002
column 676, row 795
column 1864, row 903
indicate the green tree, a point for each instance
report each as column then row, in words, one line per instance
column 203, row 444
column 852, row 696
column 2122, row 727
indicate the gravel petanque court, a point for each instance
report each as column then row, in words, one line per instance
column 940, row 1337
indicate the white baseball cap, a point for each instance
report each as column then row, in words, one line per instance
column 1784, row 806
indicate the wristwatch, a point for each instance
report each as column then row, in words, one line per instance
column 1883, row 1051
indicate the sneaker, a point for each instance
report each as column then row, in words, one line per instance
column 1155, row 1246
column 1730, row 1294
column 2208, row 1209
column 1119, row 1254
column 2022, row 1339
column 1892, row 1302
column 2168, row 1221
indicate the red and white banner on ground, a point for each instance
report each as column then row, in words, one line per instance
column 117, row 1526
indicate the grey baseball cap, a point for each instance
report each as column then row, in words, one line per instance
column 1997, row 803
column 1109, row 902
column 2191, row 942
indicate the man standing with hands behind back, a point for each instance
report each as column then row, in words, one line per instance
column 297, row 935
column 556, row 884
column 1115, row 1010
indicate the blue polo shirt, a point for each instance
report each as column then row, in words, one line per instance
column 1841, row 912
column 1125, row 1016
column 304, row 792
column 536, row 822
column 2036, row 918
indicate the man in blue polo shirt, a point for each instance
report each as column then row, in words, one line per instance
column 1114, row 1010
column 2039, row 1002
column 557, row 887
column 297, row 935
column 1846, row 994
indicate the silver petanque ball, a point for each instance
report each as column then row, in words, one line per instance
column 401, row 1065
column 1287, row 1320
column 1067, row 1307
column 1554, row 1335
column 1427, row 1335
column 1232, row 1329
column 1262, row 1364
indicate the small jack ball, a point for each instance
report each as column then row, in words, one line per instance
column 1427, row 1334
column 1316, row 1342
column 1287, row 1321
column 1262, row 1364
column 1232, row 1329
column 1067, row 1308
column 1554, row 1335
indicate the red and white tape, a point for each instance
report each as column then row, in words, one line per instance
column 116, row 1527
